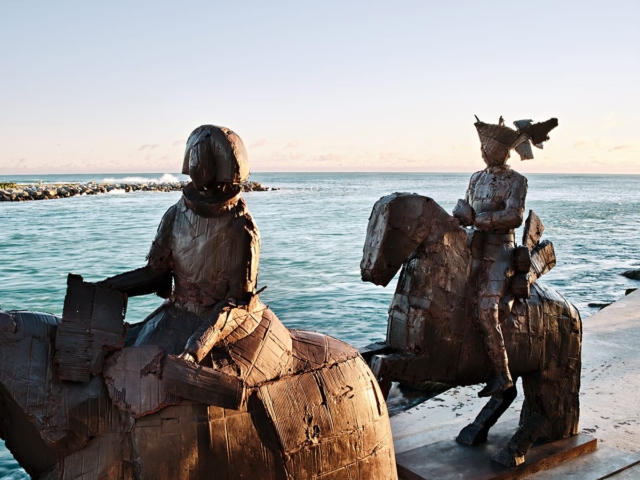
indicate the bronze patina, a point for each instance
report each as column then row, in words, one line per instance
column 210, row 385
column 468, row 308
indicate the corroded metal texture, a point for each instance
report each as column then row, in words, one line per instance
column 210, row 385
column 433, row 331
column 93, row 326
column 313, row 409
column 395, row 230
column 467, row 309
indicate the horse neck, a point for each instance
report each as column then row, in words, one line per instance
column 429, row 314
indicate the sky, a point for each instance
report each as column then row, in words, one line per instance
column 98, row 87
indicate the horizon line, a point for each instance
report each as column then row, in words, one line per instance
column 316, row 172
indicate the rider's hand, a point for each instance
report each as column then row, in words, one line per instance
column 463, row 211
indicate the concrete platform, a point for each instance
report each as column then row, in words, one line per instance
column 610, row 393
column 449, row 460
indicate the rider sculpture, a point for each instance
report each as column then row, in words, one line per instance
column 468, row 307
column 210, row 245
column 211, row 382
column 494, row 204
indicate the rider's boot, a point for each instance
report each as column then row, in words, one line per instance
column 494, row 346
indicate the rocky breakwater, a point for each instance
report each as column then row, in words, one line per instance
column 21, row 193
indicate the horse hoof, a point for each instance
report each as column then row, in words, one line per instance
column 472, row 434
column 506, row 457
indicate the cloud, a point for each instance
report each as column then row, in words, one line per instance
column 336, row 158
column 580, row 144
column 621, row 147
column 147, row 147
column 178, row 142
column 293, row 144
column 260, row 143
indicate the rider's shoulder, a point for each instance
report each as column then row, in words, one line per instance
column 477, row 175
column 518, row 176
column 508, row 172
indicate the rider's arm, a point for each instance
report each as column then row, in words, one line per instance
column 512, row 215
column 156, row 276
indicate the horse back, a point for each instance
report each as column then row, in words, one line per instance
column 432, row 315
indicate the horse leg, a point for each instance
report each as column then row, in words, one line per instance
column 560, row 399
column 394, row 367
column 513, row 452
column 382, row 368
column 538, row 412
column 476, row 432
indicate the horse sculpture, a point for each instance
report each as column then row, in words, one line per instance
column 431, row 334
column 301, row 406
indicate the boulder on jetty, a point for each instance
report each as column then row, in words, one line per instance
column 256, row 187
column 21, row 193
column 632, row 274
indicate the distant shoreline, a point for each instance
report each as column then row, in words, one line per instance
column 16, row 192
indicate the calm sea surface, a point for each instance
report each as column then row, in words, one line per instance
column 312, row 233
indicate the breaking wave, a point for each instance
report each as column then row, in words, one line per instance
column 165, row 178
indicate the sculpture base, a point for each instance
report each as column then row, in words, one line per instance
column 449, row 459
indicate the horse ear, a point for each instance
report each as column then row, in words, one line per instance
column 397, row 225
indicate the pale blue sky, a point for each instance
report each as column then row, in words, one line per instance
column 316, row 86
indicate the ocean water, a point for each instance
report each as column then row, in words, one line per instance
column 312, row 232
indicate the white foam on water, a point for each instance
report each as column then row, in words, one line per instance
column 116, row 191
column 168, row 178
column 165, row 178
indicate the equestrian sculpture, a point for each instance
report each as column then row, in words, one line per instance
column 467, row 308
column 210, row 385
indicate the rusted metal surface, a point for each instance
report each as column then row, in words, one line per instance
column 533, row 229
column 92, row 326
column 133, row 378
column 210, row 385
column 467, row 309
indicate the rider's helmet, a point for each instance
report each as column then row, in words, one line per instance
column 213, row 156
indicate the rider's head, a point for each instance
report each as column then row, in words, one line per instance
column 215, row 157
column 496, row 141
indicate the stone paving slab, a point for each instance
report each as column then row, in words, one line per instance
column 604, row 462
column 449, row 460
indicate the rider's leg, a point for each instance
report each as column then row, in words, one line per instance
column 489, row 326
column 477, row 431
